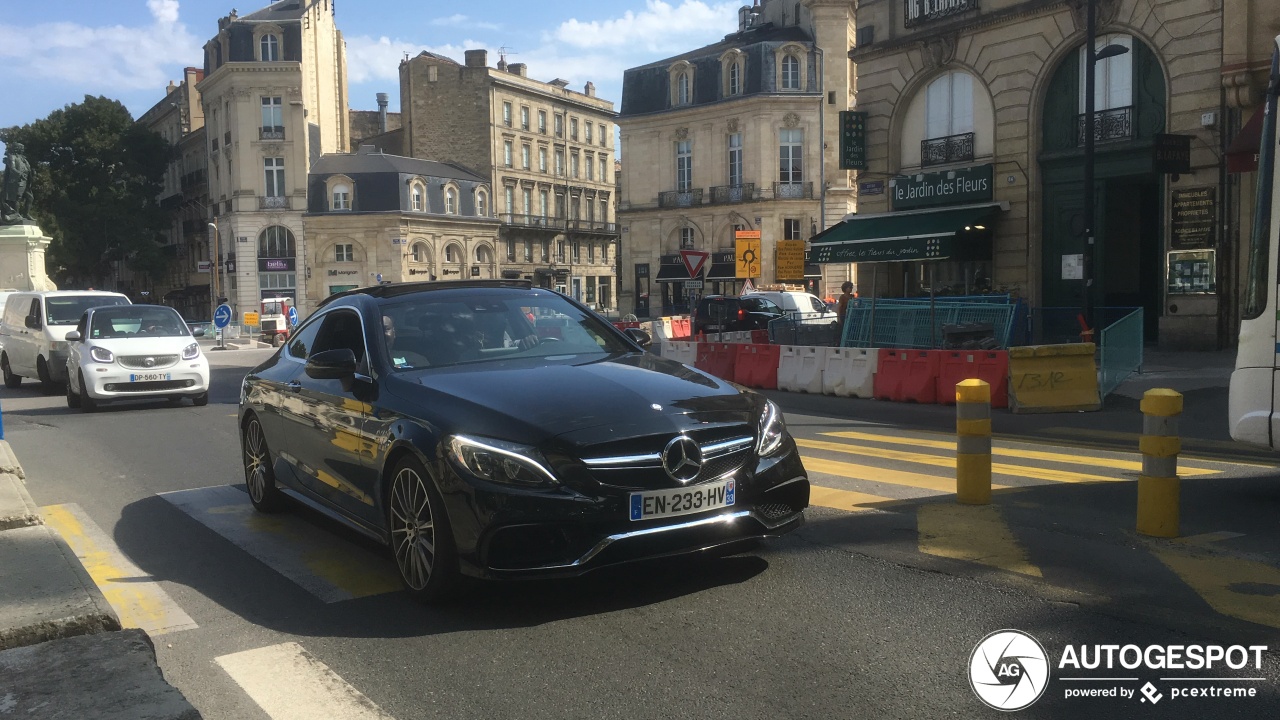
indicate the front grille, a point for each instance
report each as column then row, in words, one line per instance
column 139, row 362
column 643, row 467
column 773, row 511
column 152, row 386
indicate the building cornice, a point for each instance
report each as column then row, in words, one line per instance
column 551, row 93
column 245, row 68
column 692, row 111
column 1029, row 9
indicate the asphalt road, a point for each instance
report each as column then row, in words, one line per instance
column 850, row 617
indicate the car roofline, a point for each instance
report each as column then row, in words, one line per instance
column 396, row 289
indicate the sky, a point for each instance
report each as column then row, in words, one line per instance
column 54, row 53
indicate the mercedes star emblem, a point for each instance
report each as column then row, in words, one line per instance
column 682, row 459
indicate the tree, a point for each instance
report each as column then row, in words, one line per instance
column 97, row 177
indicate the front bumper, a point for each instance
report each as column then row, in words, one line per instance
column 111, row 382
column 512, row 533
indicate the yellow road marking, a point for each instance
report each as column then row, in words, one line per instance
column 1206, row 538
column 884, row 475
column 1242, row 589
column 950, row 462
column 844, row 499
column 137, row 598
column 1135, row 465
column 1189, row 443
column 973, row 533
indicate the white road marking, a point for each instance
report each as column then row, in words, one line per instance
column 288, row 683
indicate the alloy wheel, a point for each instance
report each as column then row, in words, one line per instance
column 255, row 461
column 413, row 537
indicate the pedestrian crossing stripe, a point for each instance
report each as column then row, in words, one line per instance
column 289, row 683
column 940, row 484
column 1023, row 454
column 847, row 500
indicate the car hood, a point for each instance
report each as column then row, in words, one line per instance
column 581, row 402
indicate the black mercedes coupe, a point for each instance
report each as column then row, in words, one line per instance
column 496, row 430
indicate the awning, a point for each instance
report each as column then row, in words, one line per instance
column 722, row 267
column 672, row 273
column 812, row 271
column 1242, row 153
column 900, row 236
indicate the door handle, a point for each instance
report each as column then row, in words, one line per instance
column 294, row 386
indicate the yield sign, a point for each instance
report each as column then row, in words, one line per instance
column 693, row 261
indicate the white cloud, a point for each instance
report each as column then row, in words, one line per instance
column 370, row 58
column 110, row 59
column 464, row 22
column 660, row 27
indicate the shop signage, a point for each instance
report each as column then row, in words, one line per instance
column 1195, row 211
column 336, row 273
column 1171, row 154
column 790, row 258
column 948, row 187
column 276, row 265
column 746, row 253
column 853, row 140
column 414, row 271
column 884, row 251
column 922, row 11
column 871, row 187
column 204, row 266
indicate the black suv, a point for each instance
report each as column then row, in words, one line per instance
column 730, row 313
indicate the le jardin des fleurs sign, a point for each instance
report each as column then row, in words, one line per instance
column 1194, row 213
column 923, row 11
column 883, row 250
column 948, row 187
column 853, row 140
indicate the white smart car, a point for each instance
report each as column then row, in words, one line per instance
column 134, row 351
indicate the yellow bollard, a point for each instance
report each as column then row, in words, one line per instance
column 1158, row 489
column 973, row 442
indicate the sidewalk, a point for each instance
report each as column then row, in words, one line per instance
column 1181, row 371
column 62, row 653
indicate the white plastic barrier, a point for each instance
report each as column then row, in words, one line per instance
column 850, row 372
column 809, row 377
column 742, row 336
column 682, row 351
column 789, row 368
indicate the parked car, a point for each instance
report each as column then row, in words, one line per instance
column 33, row 333
column 134, row 351
column 730, row 313
column 797, row 304
column 440, row 419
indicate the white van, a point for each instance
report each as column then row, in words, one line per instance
column 33, row 332
column 798, row 305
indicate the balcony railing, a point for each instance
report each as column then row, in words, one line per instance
column 271, row 133
column 949, row 149
column 744, row 192
column 594, row 226
column 1108, row 125
column 273, row 202
column 532, row 221
column 677, row 198
column 793, row 191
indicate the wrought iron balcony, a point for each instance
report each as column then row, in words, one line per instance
column 949, row 149
column 677, row 198
column 271, row 133
column 1108, row 125
column 273, row 202
column 744, row 192
column 793, row 191
column 594, row 226
column 532, row 221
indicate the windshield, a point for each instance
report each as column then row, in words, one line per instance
column 66, row 310
column 441, row 329
column 137, row 321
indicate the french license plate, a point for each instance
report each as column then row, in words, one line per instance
column 148, row 377
column 681, row 501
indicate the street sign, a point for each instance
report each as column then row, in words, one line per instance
column 379, row 278
column 693, row 261
column 251, row 318
column 293, row 317
column 204, row 266
column 853, row 140
column 692, row 284
column 747, row 251
column 222, row 316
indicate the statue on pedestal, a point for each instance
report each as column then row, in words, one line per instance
column 15, row 191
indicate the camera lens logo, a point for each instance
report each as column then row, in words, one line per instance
column 1009, row 670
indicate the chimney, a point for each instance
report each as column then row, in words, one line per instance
column 590, row 89
column 382, row 111
column 477, row 58
column 172, row 86
column 502, row 64
column 518, row 69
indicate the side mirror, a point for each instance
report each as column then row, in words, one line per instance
column 332, row 365
column 640, row 336
column 198, row 332
column 33, row 322
column 73, row 336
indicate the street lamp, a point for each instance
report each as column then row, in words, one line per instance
column 1092, row 57
column 215, row 268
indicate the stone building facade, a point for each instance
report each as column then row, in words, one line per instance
column 547, row 152
column 992, row 92
column 275, row 99
column 374, row 218
column 738, row 135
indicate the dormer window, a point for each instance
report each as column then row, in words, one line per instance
column 790, row 72
column 482, row 203
column 341, row 197
column 270, row 47
column 450, row 201
column 416, row 195
column 735, row 78
column 682, row 89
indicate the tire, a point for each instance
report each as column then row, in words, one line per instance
column 421, row 538
column 73, row 399
column 259, row 477
column 47, row 384
column 87, row 403
column 200, row 400
column 11, row 381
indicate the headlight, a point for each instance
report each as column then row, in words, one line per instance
column 101, row 354
column 772, row 430
column 500, row 461
column 191, row 352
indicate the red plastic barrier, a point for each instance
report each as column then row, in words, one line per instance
column 717, row 359
column 681, row 327
column 989, row 365
column 757, row 366
column 760, row 337
column 908, row 376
